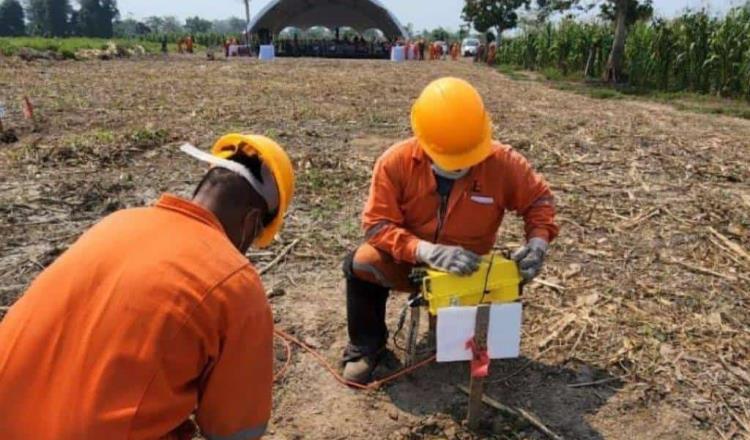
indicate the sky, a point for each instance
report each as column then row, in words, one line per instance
column 424, row 14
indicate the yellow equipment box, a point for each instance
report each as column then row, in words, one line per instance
column 500, row 278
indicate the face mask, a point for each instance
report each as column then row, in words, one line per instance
column 452, row 175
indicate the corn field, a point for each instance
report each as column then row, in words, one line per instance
column 694, row 52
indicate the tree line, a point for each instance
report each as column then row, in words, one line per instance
column 98, row 18
column 58, row 18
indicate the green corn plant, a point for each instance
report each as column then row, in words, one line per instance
column 693, row 52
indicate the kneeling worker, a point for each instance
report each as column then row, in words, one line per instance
column 438, row 199
column 155, row 314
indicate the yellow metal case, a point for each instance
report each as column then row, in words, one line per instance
column 499, row 276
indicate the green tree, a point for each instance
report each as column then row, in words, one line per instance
column 109, row 14
column 95, row 18
column 56, row 17
column 130, row 27
column 154, row 23
column 232, row 25
column 440, row 34
column 12, row 20
column 623, row 13
column 170, row 25
column 48, row 17
column 88, row 18
column 486, row 15
column 197, row 25
column 35, row 16
column 637, row 11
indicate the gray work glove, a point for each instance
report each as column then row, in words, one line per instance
column 530, row 258
column 453, row 259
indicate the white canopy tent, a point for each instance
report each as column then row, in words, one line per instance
column 358, row 14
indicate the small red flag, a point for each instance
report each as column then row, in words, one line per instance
column 28, row 109
column 480, row 362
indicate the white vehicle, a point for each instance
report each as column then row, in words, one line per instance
column 469, row 47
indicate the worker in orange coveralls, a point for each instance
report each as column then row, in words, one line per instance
column 438, row 199
column 155, row 314
column 455, row 49
column 491, row 53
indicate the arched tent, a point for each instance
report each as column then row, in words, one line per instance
column 358, row 14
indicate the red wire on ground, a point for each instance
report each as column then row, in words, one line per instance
column 287, row 362
column 371, row 386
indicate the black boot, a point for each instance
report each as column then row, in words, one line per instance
column 368, row 334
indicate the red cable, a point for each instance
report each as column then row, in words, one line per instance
column 371, row 386
column 282, row 371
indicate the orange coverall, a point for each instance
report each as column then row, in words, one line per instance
column 455, row 51
column 150, row 316
column 491, row 53
column 404, row 208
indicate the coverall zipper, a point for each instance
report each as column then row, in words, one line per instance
column 441, row 215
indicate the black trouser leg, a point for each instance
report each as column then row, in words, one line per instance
column 365, row 314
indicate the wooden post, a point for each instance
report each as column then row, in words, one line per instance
column 432, row 335
column 412, row 336
column 476, row 388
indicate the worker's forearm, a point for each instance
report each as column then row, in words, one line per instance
column 396, row 241
column 540, row 223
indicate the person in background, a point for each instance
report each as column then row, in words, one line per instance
column 455, row 49
column 479, row 57
column 491, row 53
column 438, row 199
column 155, row 314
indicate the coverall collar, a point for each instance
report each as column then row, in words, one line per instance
column 186, row 207
column 419, row 155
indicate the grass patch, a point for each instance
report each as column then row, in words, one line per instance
column 145, row 138
column 67, row 47
column 513, row 72
column 590, row 90
column 685, row 101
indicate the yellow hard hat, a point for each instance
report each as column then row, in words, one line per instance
column 451, row 124
column 275, row 158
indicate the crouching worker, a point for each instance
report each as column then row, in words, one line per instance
column 438, row 199
column 155, row 314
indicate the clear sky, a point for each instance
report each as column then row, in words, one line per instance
column 422, row 13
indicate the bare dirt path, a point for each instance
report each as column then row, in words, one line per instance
column 654, row 204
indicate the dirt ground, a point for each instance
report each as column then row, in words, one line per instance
column 646, row 292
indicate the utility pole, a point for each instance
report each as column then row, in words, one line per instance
column 247, row 23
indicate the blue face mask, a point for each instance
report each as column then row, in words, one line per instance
column 452, row 175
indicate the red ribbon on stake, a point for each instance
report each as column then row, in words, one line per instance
column 480, row 360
